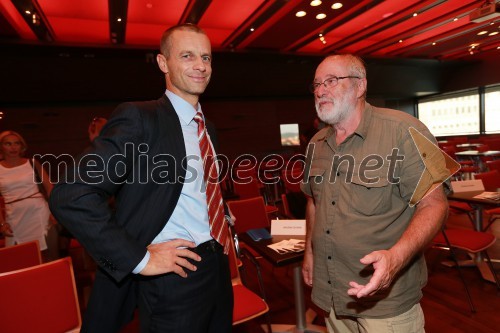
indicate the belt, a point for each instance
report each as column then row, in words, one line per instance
column 210, row 246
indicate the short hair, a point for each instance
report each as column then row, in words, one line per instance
column 21, row 139
column 166, row 37
column 355, row 65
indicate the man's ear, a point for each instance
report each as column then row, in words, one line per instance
column 162, row 63
column 361, row 87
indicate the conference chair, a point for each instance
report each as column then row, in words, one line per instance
column 491, row 182
column 470, row 241
column 249, row 214
column 40, row 299
column 20, row 256
column 247, row 304
column 493, row 165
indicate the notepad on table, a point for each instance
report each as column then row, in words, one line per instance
column 258, row 234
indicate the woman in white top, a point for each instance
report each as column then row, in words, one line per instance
column 26, row 211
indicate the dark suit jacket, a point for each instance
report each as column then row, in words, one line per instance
column 138, row 159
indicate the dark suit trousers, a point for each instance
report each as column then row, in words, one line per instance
column 200, row 303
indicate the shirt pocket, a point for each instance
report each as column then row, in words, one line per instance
column 316, row 182
column 370, row 196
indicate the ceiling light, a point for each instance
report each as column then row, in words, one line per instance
column 252, row 29
column 27, row 12
column 315, row 3
column 498, row 47
column 300, row 14
column 337, row 5
column 324, row 42
column 415, row 14
column 493, row 33
column 322, row 38
column 455, row 19
column 400, row 40
column 321, row 35
column 118, row 19
column 434, row 43
column 320, row 16
column 482, row 32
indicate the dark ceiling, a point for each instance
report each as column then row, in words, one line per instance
column 424, row 29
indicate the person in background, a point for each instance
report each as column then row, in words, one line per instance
column 367, row 226
column 27, row 215
column 95, row 127
column 163, row 248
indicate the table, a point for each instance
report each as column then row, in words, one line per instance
column 280, row 260
column 478, row 204
column 468, row 145
column 476, row 155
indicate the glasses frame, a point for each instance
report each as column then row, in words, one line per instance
column 334, row 80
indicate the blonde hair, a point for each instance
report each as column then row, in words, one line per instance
column 4, row 134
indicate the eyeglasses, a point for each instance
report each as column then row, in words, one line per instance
column 330, row 82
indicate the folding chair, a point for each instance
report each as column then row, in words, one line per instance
column 40, row 299
column 470, row 241
column 247, row 304
column 20, row 256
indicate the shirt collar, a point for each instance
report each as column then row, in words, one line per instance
column 361, row 130
column 364, row 123
column 184, row 110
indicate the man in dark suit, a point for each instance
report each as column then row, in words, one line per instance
column 155, row 250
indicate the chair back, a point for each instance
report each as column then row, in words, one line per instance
column 246, row 190
column 40, row 299
column 249, row 214
column 491, row 180
column 20, row 256
column 493, row 165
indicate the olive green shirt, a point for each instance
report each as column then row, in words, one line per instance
column 362, row 190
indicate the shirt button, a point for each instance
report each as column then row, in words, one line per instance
column 328, row 231
column 333, row 203
column 329, row 282
column 329, row 257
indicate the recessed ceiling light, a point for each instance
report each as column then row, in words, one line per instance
column 320, row 16
column 119, row 19
column 400, row 40
column 300, row 14
column 28, row 12
column 252, row 29
column 482, row 32
column 337, row 5
column 434, row 43
column 415, row 14
column 315, row 3
column 498, row 47
column 455, row 19
column 493, row 33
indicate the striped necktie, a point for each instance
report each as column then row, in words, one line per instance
column 218, row 226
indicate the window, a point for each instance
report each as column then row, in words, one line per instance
column 492, row 109
column 289, row 134
column 451, row 114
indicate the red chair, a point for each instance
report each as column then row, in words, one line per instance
column 40, row 299
column 251, row 190
column 491, row 182
column 247, row 304
column 493, row 165
column 470, row 241
column 20, row 256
